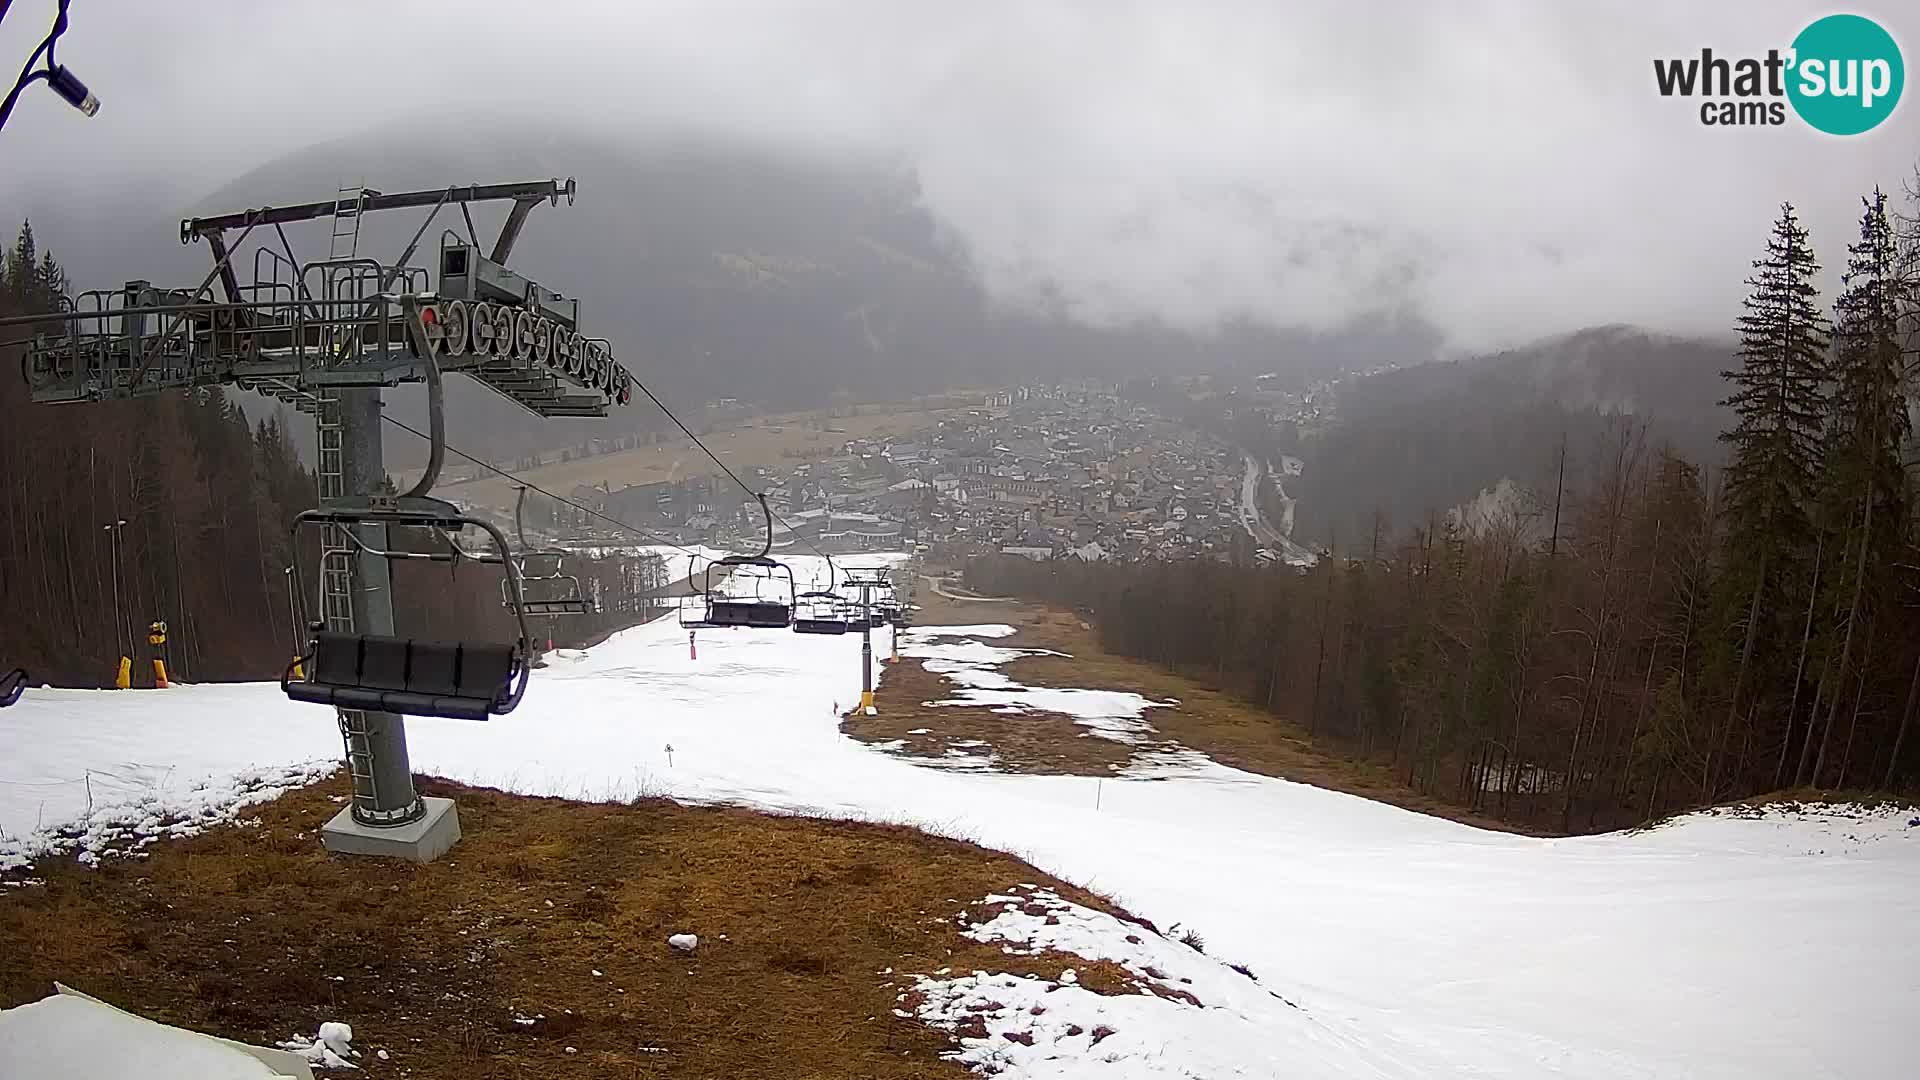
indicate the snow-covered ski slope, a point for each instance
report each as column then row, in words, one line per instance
column 1717, row 947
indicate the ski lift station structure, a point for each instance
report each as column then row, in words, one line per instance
column 326, row 336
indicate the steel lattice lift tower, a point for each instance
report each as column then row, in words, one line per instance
column 326, row 336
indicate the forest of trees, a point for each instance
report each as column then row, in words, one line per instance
column 175, row 507
column 205, row 497
column 1661, row 638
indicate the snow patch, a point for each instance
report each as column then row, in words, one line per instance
column 154, row 811
column 1193, row 1015
column 329, row 1049
column 1110, row 714
column 980, row 630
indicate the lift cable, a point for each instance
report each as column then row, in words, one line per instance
column 504, row 474
column 723, row 468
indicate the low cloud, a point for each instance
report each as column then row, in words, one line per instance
column 1497, row 170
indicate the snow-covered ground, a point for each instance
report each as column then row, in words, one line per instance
column 1785, row 945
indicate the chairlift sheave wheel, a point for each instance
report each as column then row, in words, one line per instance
column 596, row 366
column 523, row 324
column 503, row 335
column 564, row 345
column 542, row 341
column 457, row 322
column 578, row 356
column 480, row 316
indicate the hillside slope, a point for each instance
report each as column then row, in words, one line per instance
column 1425, row 438
column 718, row 267
column 1411, row 946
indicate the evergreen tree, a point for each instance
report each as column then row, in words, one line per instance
column 1863, row 487
column 1779, row 405
column 17, row 272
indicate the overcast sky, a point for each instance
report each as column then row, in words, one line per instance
column 1501, row 170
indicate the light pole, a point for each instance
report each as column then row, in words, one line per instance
column 120, row 638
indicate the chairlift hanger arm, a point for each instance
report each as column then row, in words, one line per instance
column 378, row 516
column 525, row 196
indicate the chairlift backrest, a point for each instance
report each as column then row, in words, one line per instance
column 542, row 565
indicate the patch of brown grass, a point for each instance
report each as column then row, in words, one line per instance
column 1034, row 742
column 1207, row 719
column 762, row 440
column 259, row 934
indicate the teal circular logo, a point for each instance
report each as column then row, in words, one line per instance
column 1846, row 75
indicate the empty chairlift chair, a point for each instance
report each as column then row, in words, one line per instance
column 463, row 680
column 12, row 685
column 819, row 613
column 760, row 610
column 886, row 607
column 546, row 588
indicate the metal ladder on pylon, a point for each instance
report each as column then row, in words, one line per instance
column 336, row 549
column 336, row 561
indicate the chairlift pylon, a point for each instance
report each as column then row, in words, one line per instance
column 12, row 685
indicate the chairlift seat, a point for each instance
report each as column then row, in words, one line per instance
column 763, row 614
column 12, row 685
column 457, row 680
column 564, row 596
column 574, row 606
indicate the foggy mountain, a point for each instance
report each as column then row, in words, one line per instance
column 718, row 267
column 1425, row 438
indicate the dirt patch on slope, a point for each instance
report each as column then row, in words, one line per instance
column 974, row 736
column 537, row 947
column 1206, row 719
